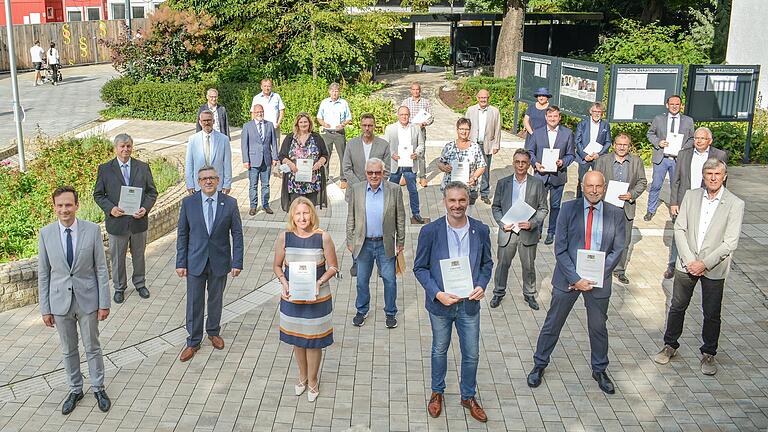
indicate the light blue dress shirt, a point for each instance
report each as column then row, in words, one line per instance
column 597, row 224
column 215, row 203
column 458, row 240
column 128, row 169
column 374, row 211
column 518, row 188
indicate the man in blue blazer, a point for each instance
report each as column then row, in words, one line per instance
column 220, row 120
column 592, row 224
column 211, row 148
column 552, row 136
column 258, row 144
column 204, row 256
column 591, row 129
column 452, row 236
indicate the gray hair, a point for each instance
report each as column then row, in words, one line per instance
column 714, row 163
column 374, row 161
column 205, row 111
column 212, row 90
column 334, row 85
column 122, row 138
column 206, row 168
column 455, row 185
column 705, row 129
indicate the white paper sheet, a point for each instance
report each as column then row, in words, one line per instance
column 519, row 212
column 404, row 150
column 421, row 117
column 593, row 147
column 625, row 101
column 130, row 199
column 675, row 142
column 590, row 265
column 631, row 81
column 304, row 173
column 614, row 189
column 303, row 280
column 460, row 171
column 721, row 83
column 457, row 276
column 549, row 159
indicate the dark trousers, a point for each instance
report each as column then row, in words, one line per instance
column 55, row 72
column 338, row 140
column 672, row 248
column 196, row 287
column 485, row 186
column 555, row 197
column 621, row 267
column 711, row 303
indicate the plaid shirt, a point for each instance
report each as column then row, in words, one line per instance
column 415, row 107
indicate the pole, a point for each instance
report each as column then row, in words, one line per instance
column 128, row 18
column 749, row 139
column 14, row 86
column 453, row 46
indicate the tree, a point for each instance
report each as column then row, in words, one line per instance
column 510, row 39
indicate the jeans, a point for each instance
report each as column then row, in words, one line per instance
column 410, row 183
column 660, row 171
column 711, row 303
column 555, row 196
column 373, row 251
column 583, row 169
column 468, row 329
column 256, row 175
column 485, row 186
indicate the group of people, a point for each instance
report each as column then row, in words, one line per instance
column 51, row 57
column 453, row 261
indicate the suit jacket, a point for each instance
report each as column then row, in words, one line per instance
column 223, row 119
column 88, row 278
column 256, row 150
column 433, row 247
column 681, row 180
column 569, row 238
column 194, row 247
column 417, row 141
column 535, row 196
column 658, row 131
column 492, row 137
column 354, row 158
column 635, row 176
column 106, row 193
column 221, row 155
column 393, row 221
column 583, row 138
column 564, row 141
column 721, row 238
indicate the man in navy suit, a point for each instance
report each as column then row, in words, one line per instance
column 204, row 256
column 453, row 236
column 211, row 148
column 258, row 143
column 591, row 129
column 592, row 224
column 552, row 136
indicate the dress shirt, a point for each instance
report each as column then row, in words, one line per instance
column 594, row 130
column 216, row 120
column 367, row 150
column 669, row 122
column 259, row 128
column 708, row 208
column 334, row 112
column 414, row 106
column 552, row 135
column 621, row 170
column 73, row 227
column 482, row 118
column 272, row 105
column 205, row 197
column 456, row 250
column 597, row 224
column 374, row 211
column 697, row 163
column 518, row 188
column 404, row 136
column 128, row 168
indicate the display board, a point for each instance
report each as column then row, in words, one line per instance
column 580, row 85
column 721, row 92
column 639, row 92
column 535, row 71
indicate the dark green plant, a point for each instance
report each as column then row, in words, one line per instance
column 436, row 50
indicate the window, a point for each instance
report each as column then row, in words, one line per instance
column 94, row 13
column 49, row 12
column 74, row 14
column 137, row 11
column 118, row 11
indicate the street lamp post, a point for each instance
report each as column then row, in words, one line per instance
column 14, row 86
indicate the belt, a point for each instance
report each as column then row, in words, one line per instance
column 375, row 238
column 670, row 157
column 334, row 131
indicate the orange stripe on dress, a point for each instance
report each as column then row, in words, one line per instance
column 301, row 335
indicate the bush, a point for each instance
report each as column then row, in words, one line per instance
column 113, row 93
column 436, row 50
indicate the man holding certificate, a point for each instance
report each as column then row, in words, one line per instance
column 453, row 264
column 406, row 142
column 593, row 139
column 590, row 240
column 125, row 191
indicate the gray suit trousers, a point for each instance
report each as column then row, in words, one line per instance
column 339, row 141
column 505, row 256
column 118, row 249
column 89, row 330
column 621, row 267
column 421, row 159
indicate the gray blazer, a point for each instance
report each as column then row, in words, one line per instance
column 417, row 141
column 721, row 238
column 636, row 176
column 681, row 181
column 394, row 217
column 354, row 158
column 88, row 278
column 535, row 196
column 492, row 137
column 658, row 131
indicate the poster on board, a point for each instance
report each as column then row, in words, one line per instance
column 639, row 92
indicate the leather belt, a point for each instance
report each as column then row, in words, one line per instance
column 670, row 157
column 375, row 238
column 333, row 131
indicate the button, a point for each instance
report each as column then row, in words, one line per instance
column 70, row 289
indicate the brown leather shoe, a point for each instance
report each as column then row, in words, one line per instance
column 474, row 409
column 435, row 406
column 188, row 352
column 669, row 273
column 252, row 211
column 217, row 342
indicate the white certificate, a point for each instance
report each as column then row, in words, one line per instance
column 593, row 147
column 421, row 117
column 675, row 141
column 405, row 151
column 616, row 188
column 460, row 171
column 301, row 285
column 590, row 265
column 519, row 212
column 457, row 276
column 130, row 199
column 304, row 173
column 549, row 159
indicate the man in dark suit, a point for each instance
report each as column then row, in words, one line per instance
column 587, row 223
column 258, row 144
column 453, row 236
column 670, row 122
column 591, row 129
column 220, row 120
column 519, row 186
column 622, row 166
column 125, row 230
column 552, row 136
column 204, row 256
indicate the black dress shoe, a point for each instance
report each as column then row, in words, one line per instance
column 353, row 270
column 669, row 273
column 604, row 382
column 119, row 297
column 103, row 400
column 143, row 292
column 534, row 378
column 622, row 278
column 486, row 200
column 532, row 303
column 71, row 402
column 417, row 219
column 550, row 239
column 648, row 216
column 268, row 210
column 496, row 301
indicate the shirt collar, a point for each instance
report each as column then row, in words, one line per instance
column 705, row 152
column 369, row 188
column 553, row 130
column 595, row 122
column 73, row 227
column 461, row 228
column 598, row 206
column 670, row 115
column 717, row 197
column 120, row 163
column 205, row 197
column 525, row 179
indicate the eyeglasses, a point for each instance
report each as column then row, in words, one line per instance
column 370, row 173
column 205, row 179
column 463, row 129
column 206, row 120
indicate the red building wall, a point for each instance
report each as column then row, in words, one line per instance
column 22, row 8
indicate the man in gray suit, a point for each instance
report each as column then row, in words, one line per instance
column 707, row 233
column 486, row 131
column 401, row 135
column 258, row 144
column 125, row 229
column 376, row 233
column 362, row 148
column 622, row 166
column 523, row 237
column 73, row 285
column 670, row 122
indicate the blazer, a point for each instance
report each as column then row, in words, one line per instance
column 223, row 119
column 354, row 158
column 564, row 142
column 583, row 138
column 417, row 141
column 721, row 238
column 569, row 238
column 221, row 155
column 255, row 150
column 393, row 221
column 535, row 196
column 88, row 278
column 106, row 194
column 433, row 247
column 681, row 180
column 195, row 248
column 492, row 137
column 658, row 131
column 635, row 176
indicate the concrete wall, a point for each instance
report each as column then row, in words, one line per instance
column 747, row 40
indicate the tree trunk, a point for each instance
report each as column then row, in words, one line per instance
column 510, row 40
column 653, row 11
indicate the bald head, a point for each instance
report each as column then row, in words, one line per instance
column 593, row 186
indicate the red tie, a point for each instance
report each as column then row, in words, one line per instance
column 588, row 238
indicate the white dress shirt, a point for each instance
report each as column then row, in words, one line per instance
column 594, row 130
column 708, row 208
column 482, row 119
column 63, row 233
column 697, row 163
column 128, row 168
column 208, row 148
column 215, row 203
column 669, row 123
column 552, row 135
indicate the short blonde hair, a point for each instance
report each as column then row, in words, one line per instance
column 314, row 218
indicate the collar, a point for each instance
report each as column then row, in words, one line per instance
column 73, row 227
column 263, row 95
column 616, row 158
column 670, row 115
column 598, row 206
column 483, row 109
column 717, row 197
column 369, row 188
column 362, row 139
column 120, row 164
column 205, row 197
column 213, row 108
column 465, row 226
column 706, row 152
column 553, row 130
column 595, row 122
column 525, row 179
column 407, row 125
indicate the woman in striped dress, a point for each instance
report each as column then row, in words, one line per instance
column 307, row 325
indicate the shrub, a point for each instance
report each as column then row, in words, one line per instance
column 113, row 91
column 436, row 50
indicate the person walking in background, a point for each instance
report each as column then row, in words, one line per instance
column 54, row 62
column 37, row 53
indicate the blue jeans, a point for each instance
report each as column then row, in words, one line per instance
column 410, row 183
column 485, row 186
column 256, row 175
column 373, row 251
column 583, row 168
column 660, row 171
column 555, row 197
column 468, row 329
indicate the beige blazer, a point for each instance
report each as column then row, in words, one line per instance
column 394, row 217
column 492, row 138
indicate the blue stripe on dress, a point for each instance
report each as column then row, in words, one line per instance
column 309, row 311
column 307, row 343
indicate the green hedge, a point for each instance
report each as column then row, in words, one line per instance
column 435, row 50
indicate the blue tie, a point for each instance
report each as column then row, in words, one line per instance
column 261, row 131
column 210, row 214
column 70, row 249
column 125, row 175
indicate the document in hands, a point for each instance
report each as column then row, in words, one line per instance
column 405, row 151
column 519, row 212
column 590, row 265
column 304, row 172
column 549, row 159
column 616, row 188
column 457, row 276
column 460, row 172
column 421, row 117
column 593, row 147
column 675, row 142
column 301, row 285
column 130, row 199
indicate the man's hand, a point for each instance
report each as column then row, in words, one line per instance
column 102, row 314
column 663, row 143
column 182, row 272
column 274, row 163
column 539, row 167
column 414, row 156
column 247, row 165
column 191, row 191
column 236, row 272
column 496, row 150
column 395, row 156
column 674, row 210
column 625, row 196
column 423, row 124
column 399, row 250
column 696, row 268
column 226, row 191
column 48, row 320
column 444, row 167
column 583, row 285
column 293, row 167
column 508, row 227
column 525, row 225
column 559, row 163
column 471, row 182
column 140, row 214
column 447, row 299
column 477, row 293
column 117, row 211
